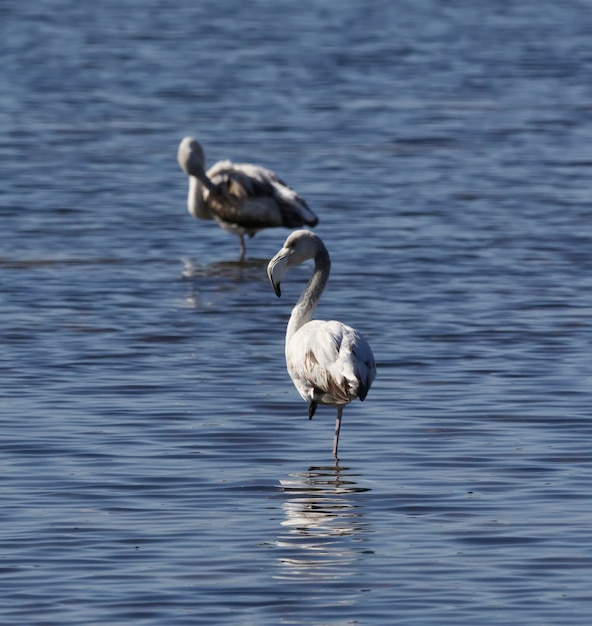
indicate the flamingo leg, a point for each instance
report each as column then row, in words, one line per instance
column 243, row 250
column 337, row 428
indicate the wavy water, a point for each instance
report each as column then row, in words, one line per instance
column 157, row 465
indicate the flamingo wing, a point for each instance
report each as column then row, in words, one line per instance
column 330, row 363
column 252, row 196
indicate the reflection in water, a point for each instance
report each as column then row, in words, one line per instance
column 324, row 523
column 208, row 280
column 233, row 270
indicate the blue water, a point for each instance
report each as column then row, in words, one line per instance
column 156, row 463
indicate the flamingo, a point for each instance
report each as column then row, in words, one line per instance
column 243, row 198
column 328, row 362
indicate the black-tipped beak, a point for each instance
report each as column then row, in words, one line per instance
column 276, row 268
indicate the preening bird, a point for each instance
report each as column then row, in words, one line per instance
column 329, row 362
column 243, row 198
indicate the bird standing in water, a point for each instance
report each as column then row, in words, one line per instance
column 243, row 198
column 329, row 362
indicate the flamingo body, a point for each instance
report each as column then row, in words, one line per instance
column 328, row 362
column 241, row 197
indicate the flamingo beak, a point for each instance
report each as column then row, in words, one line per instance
column 191, row 159
column 276, row 269
column 195, row 168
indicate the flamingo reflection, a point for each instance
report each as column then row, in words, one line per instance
column 323, row 521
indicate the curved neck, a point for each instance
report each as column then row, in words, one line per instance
column 307, row 303
column 195, row 200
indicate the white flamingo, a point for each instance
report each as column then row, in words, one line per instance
column 243, row 198
column 329, row 362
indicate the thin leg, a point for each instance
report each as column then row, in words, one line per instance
column 337, row 428
column 243, row 250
